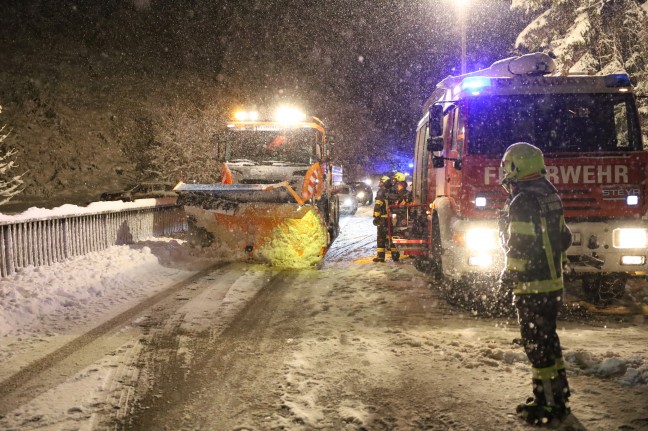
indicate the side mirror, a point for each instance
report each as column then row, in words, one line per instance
column 330, row 138
column 436, row 121
column 438, row 162
column 435, row 143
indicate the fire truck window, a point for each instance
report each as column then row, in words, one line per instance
column 450, row 125
column 458, row 132
column 621, row 121
column 553, row 122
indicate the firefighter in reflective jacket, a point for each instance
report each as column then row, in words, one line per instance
column 535, row 237
column 394, row 192
column 380, row 217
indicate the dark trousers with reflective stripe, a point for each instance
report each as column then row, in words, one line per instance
column 537, row 315
column 381, row 239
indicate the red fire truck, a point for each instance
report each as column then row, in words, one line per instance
column 588, row 128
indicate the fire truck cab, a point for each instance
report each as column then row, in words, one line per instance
column 588, row 129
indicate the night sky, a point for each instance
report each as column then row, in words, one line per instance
column 364, row 67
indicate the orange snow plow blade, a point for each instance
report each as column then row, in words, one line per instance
column 282, row 234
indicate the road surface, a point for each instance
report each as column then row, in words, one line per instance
column 354, row 345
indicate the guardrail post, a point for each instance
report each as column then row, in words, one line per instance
column 8, row 250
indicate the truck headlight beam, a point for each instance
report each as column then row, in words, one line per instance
column 629, row 238
column 481, row 239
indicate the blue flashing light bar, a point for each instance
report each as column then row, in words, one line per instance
column 617, row 80
column 475, row 84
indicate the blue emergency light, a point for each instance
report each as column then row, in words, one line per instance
column 475, row 84
column 617, row 80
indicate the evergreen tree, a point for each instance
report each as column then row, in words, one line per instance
column 10, row 185
column 593, row 36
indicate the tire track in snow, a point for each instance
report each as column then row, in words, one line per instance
column 53, row 369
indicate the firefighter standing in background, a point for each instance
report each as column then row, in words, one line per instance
column 394, row 192
column 398, row 195
column 535, row 238
column 401, row 195
column 380, row 217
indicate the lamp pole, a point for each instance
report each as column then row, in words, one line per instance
column 462, row 7
column 463, row 43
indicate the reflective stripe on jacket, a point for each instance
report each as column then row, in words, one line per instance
column 535, row 238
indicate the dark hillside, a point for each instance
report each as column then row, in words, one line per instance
column 90, row 93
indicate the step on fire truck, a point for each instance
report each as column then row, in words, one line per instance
column 587, row 127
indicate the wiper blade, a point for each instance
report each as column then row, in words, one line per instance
column 243, row 162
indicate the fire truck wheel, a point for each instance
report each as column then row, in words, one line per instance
column 604, row 289
column 334, row 222
column 436, row 251
column 422, row 264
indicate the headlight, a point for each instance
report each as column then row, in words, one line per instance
column 629, row 238
column 481, row 239
column 289, row 115
column 348, row 201
column 360, row 195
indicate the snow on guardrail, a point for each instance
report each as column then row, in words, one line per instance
column 41, row 236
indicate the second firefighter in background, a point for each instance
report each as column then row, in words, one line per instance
column 391, row 191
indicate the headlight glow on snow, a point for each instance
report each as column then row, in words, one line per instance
column 629, row 238
column 481, row 239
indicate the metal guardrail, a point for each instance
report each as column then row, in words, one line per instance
column 46, row 240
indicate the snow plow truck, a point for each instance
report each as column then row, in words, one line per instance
column 276, row 201
column 588, row 128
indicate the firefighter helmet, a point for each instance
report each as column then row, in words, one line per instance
column 399, row 176
column 522, row 162
column 384, row 178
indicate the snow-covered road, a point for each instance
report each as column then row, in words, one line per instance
column 159, row 335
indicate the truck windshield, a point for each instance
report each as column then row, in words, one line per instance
column 553, row 122
column 269, row 146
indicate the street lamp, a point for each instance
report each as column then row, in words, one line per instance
column 462, row 12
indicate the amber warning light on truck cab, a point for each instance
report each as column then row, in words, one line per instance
column 283, row 114
column 246, row 115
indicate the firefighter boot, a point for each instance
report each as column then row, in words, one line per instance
column 395, row 255
column 540, row 409
column 562, row 380
column 561, row 394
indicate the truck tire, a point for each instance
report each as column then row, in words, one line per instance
column 436, row 251
column 422, row 264
column 334, row 217
column 603, row 289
